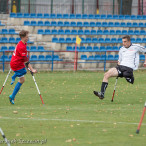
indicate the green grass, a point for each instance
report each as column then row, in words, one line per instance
column 72, row 115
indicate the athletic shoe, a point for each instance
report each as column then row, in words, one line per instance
column 99, row 94
column 11, row 99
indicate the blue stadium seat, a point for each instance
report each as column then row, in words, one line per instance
column 79, row 24
column 124, row 32
column 136, row 32
column 74, row 32
column 59, row 16
column 128, row 17
column 54, row 31
column 84, row 16
column 56, row 58
column 114, row 40
column 68, row 40
column 95, row 48
column 69, row 48
column 78, row 16
column 115, row 17
column 115, row 48
column 103, row 57
column 88, row 40
column 83, row 40
column 112, row 32
column 33, row 58
column 144, row 40
column 144, row 17
column 60, row 23
column 40, row 23
column 33, row 15
column 10, row 56
column 87, row 32
column 122, row 24
column 142, row 57
column 133, row 17
column 98, row 24
column 82, row 48
column 4, row 31
column 109, row 48
column 33, row 23
column 138, row 40
column 53, row 23
column 47, row 23
column 73, row 24
column 41, row 57
column 130, row 32
column 110, row 24
column 91, row 58
column 80, row 32
column 97, row 16
column 105, row 32
column 88, row 48
column 33, row 48
column 66, row 23
column 107, row 40
column 97, row 57
column 26, row 15
column 74, row 40
column 93, row 32
column 4, row 40
column 12, row 40
column 104, row 24
column 119, row 40
column 117, row 24
column 102, row 48
column 142, row 32
column 46, row 15
column 121, row 17
column 116, row 57
column 99, row 32
column 141, row 25
column 86, row 24
column 61, row 31
column 110, row 57
column 4, row 48
column 118, row 32
column 129, row 24
column 40, row 31
column 47, row 31
column 83, row 57
column 18, row 40
column 133, row 40
column 134, row 24
column 27, row 48
column 101, row 40
column 94, row 40
column 103, row 16
column 11, row 48
column 67, row 32
column 26, row 23
column 91, row 16
column 40, row 15
column 75, row 48
column 72, row 16
column 13, row 15
column 48, row 57
column 53, row 16
column 4, row 57
column 12, row 31
column 65, row 16
column 62, row 40
column 19, row 15
column 139, row 17
column 109, row 16
column 40, row 48
column 55, row 40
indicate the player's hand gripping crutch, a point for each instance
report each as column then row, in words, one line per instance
column 36, row 85
column 5, row 80
column 114, row 89
column 137, row 131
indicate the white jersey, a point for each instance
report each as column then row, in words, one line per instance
column 130, row 56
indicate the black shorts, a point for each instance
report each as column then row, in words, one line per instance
column 126, row 72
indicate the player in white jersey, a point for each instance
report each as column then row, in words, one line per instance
column 128, row 61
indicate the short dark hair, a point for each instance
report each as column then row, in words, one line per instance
column 23, row 33
column 126, row 37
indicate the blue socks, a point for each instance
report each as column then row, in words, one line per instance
column 16, row 89
column 13, row 79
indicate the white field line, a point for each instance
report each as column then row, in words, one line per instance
column 70, row 120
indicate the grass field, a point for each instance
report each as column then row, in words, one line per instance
column 72, row 115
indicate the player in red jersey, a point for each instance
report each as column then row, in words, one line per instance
column 18, row 61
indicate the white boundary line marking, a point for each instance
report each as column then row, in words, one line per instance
column 70, row 120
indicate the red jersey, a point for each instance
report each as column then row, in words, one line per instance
column 19, row 57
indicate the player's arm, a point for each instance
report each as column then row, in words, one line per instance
column 143, row 49
column 28, row 65
column 120, row 57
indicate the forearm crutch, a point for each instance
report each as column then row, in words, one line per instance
column 114, row 89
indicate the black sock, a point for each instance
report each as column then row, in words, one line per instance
column 103, row 87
